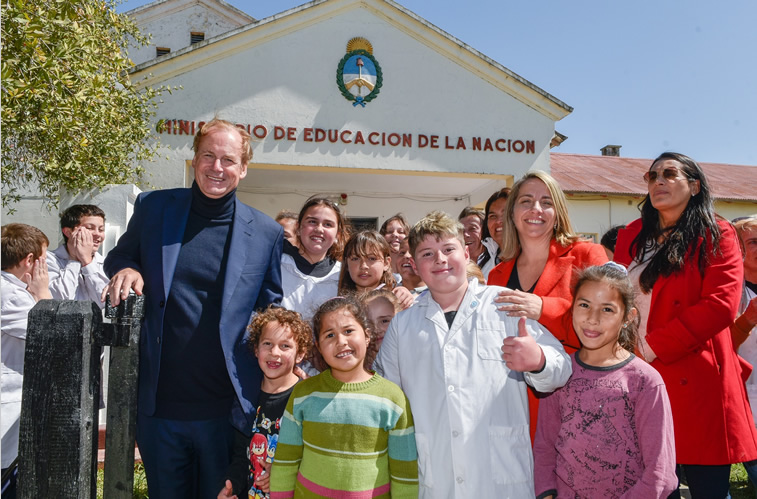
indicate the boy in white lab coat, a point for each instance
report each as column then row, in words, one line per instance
column 464, row 365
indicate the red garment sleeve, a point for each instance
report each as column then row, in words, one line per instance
column 714, row 312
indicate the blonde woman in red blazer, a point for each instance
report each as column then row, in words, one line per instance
column 691, row 264
column 539, row 254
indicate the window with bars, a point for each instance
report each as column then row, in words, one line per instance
column 162, row 51
column 196, row 37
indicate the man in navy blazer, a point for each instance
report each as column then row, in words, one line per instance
column 205, row 262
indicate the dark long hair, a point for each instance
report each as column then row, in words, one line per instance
column 697, row 223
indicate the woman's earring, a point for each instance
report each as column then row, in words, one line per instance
column 625, row 325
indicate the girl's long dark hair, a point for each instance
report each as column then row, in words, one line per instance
column 697, row 224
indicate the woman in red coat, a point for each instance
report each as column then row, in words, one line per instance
column 540, row 251
column 687, row 264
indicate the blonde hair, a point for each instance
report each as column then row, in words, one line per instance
column 473, row 270
column 563, row 231
column 381, row 294
column 437, row 224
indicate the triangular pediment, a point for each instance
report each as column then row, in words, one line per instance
column 382, row 11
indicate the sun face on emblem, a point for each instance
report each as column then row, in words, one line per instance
column 359, row 75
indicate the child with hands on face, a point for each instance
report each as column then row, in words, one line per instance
column 346, row 432
column 24, row 282
column 609, row 431
column 279, row 338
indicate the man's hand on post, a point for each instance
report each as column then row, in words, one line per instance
column 120, row 284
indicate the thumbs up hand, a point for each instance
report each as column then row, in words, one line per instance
column 522, row 353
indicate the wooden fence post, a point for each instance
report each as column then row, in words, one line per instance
column 61, row 393
column 123, row 337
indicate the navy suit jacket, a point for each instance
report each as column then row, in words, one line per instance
column 151, row 245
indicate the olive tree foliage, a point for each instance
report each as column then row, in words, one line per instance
column 71, row 118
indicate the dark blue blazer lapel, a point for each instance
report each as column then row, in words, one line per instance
column 241, row 242
column 175, row 216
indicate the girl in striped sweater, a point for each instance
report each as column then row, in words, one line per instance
column 346, row 432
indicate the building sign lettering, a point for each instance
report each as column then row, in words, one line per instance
column 365, row 138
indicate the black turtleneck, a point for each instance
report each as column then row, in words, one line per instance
column 194, row 383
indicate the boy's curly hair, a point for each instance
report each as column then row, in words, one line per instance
column 300, row 329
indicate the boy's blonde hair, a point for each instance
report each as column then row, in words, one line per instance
column 303, row 335
column 437, row 224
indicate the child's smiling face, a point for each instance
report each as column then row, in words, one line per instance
column 441, row 263
column 343, row 342
column 277, row 351
column 598, row 316
column 395, row 234
column 318, row 231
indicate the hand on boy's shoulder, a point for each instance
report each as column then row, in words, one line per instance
column 521, row 352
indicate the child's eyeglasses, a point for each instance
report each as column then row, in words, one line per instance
column 667, row 174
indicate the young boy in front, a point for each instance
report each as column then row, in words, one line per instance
column 464, row 365
column 279, row 338
column 75, row 267
column 24, row 283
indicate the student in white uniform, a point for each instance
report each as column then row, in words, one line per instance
column 310, row 270
column 24, row 283
column 75, row 267
column 464, row 365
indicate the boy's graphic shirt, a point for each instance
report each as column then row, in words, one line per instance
column 265, row 437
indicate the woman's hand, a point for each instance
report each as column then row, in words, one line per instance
column 519, row 304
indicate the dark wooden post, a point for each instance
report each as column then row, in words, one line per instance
column 123, row 337
column 61, row 392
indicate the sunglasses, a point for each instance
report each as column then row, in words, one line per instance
column 667, row 173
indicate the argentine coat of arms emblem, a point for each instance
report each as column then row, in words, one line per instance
column 359, row 75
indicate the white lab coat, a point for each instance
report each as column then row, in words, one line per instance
column 470, row 410
column 16, row 302
column 304, row 293
column 69, row 280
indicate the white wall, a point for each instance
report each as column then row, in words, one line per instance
column 290, row 81
column 173, row 31
column 596, row 214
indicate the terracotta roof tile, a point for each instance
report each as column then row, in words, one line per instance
column 583, row 173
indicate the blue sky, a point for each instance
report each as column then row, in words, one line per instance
column 650, row 75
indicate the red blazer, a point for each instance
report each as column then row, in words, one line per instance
column 556, row 291
column 555, row 284
column 688, row 328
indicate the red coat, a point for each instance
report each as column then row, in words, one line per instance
column 555, row 287
column 555, row 284
column 688, row 329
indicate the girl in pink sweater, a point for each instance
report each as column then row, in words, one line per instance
column 608, row 432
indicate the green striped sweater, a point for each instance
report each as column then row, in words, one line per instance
column 346, row 440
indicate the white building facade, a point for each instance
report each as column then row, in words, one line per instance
column 428, row 122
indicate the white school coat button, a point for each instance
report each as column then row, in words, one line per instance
column 451, row 388
column 448, row 347
column 459, row 479
column 455, row 433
